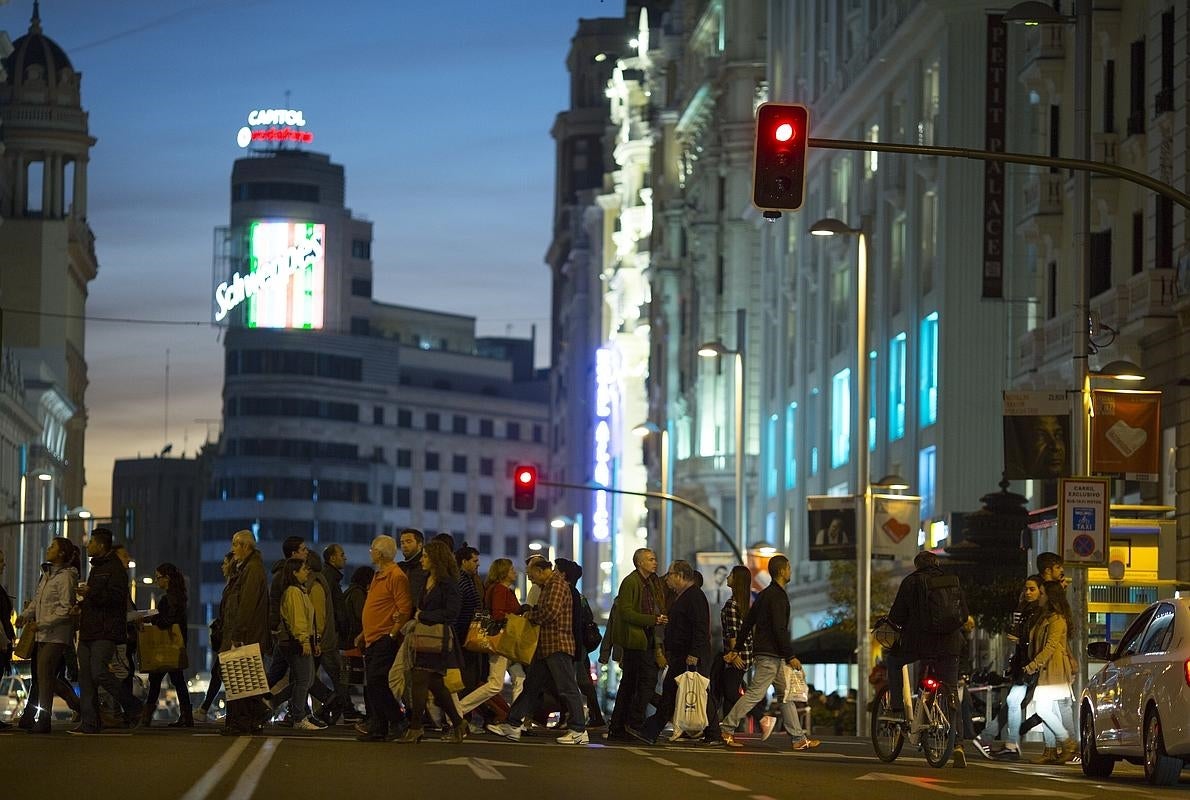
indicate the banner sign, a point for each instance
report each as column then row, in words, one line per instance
column 1083, row 520
column 1126, row 433
column 896, row 521
column 1036, row 435
column 831, row 523
column 995, row 105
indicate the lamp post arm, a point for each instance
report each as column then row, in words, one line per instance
column 673, row 498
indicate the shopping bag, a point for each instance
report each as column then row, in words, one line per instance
column 519, row 641
column 453, row 680
column 243, row 672
column 161, row 649
column 398, row 674
column 796, row 689
column 480, row 633
column 429, row 638
column 24, row 647
column 690, row 710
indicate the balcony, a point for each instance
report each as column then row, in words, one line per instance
column 1043, row 61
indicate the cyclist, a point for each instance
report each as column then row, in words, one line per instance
column 931, row 614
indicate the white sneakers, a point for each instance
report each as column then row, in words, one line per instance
column 308, row 724
column 766, row 727
column 506, row 730
column 574, row 737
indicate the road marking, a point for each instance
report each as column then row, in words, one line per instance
column 693, row 773
column 665, row 762
column 246, row 786
column 731, row 787
column 761, row 797
column 203, row 786
column 948, row 787
column 484, row 768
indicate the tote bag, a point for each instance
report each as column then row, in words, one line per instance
column 243, row 672
column 161, row 650
column 519, row 641
column 690, row 710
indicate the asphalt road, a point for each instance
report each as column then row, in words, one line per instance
column 160, row 764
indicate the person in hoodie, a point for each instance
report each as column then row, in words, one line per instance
column 50, row 615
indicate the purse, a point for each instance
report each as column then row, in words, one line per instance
column 430, row 638
column 161, row 649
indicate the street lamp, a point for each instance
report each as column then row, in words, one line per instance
column 1038, row 13
column 891, row 482
column 716, row 350
column 1120, row 371
column 647, row 428
column 863, row 554
column 576, row 531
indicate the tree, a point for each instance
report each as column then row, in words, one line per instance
column 885, row 579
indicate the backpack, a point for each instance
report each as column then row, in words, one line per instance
column 943, row 604
column 592, row 638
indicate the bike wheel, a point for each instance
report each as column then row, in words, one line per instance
column 938, row 735
column 888, row 737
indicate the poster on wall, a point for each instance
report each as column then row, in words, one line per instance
column 1036, row 435
column 1126, row 433
column 831, row 521
column 896, row 520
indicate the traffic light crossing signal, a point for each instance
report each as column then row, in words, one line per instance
column 524, row 488
column 779, row 162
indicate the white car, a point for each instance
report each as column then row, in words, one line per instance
column 1138, row 706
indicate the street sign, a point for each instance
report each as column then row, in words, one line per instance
column 1082, row 520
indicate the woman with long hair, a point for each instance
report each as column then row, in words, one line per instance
column 1054, row 666
column 50, row 615
column 297, row 624
column 216, row 626
column 732, row 617
column 500, row 601
column 439, row 605
column 171, row 610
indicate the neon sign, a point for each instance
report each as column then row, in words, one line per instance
column 602, row 473
column 263, row 127
column 286, row 272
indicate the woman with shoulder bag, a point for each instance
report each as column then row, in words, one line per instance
column 1051, row 664
column 297, row 618
column 500, row 601
column 439, row 605
column 171, row 610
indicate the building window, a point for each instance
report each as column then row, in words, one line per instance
column 458, row 424
column 485, row 505
column 487, row 467
column 484, row 545
column 512, row 431
column 433, row 422
column 927, row 479
column 432, row 461
column 538, row 433
column 404, row 458
column 770, row 460
column 430, row 500
column 841, row 418
column 386, row 494
column 929, row 240
column 404, row 418
column 1138, row 242
column 361, row 287
column 360, row 326
column 1136, row 100
column 377, row 415
column 361, row 248
column 1109, row 96
column 791, row 446
column 928, row 382
column 403, row 500
column 487, row 428
column 458, row 502
column 1163, row 246
column 378, row 455
column 896, row 387
column 1164, row 100
column 1051, row 299
column 458, row 464
column 896, row 264
column 812, row 428
column 511, row 545
column 1100, row 246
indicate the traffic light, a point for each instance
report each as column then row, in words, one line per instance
column 779, row 162
column 524, row 488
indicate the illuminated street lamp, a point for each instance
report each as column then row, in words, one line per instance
column 716, row 349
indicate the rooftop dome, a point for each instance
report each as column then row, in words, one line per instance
column 35, row 56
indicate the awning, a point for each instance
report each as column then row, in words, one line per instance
column 830, row 645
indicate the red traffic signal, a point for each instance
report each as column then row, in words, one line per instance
column 524, row 487
column 779, row 161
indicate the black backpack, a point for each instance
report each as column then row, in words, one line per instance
column 592, row 638
column 943, row 604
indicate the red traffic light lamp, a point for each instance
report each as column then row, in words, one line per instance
column 524, row 487
column 779, row 161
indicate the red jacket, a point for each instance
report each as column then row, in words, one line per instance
column 500, row 601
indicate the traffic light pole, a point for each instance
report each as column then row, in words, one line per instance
column 673, row 498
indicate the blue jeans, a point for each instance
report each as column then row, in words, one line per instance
column 559, row 666
column 301, row 668
column 1012, row 728
column 94, row 672
column 766, row 671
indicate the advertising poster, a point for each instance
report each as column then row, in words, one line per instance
column 1036, row 435
column 1126, row 434
column 715, row 567
column 896, row 520
column 831, row 523
column 1082, row 520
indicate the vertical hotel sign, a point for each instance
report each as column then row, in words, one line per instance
column 605, row 384
column 993, row 171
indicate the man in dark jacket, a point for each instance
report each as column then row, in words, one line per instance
column 768, row 622
column 103, row 624
column 920, row 641
column 333, row 562
column 245, row 621
column 412, row 542
column 687, row 647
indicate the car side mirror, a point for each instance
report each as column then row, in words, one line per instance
column 1099, row 651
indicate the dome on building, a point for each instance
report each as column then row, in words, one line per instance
column 35, row 57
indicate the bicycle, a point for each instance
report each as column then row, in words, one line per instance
column 928, row 727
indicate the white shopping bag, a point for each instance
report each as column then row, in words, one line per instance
column 690, row 707
column 243, row 672
column 796, row 689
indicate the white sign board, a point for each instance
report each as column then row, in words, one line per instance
column 1083, row 520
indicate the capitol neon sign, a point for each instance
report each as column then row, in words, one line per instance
column 286, row 272
column 602, row 474
column 274, row 125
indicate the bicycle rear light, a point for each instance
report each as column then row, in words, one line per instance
column 930, row 683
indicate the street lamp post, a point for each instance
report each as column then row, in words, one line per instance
column 715, row 350
column 647, row 428
column 863, row 554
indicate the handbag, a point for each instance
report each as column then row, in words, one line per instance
column 24, row 646
column 519, row 641
column 161, row 649
column 885, row 632
column 243, row 672
column 429, row 638
column 592, row 638
column 796, row 689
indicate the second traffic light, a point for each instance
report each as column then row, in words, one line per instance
column 779, row 162
column 524, row 488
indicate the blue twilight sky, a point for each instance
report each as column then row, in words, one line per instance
column 440, row 113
